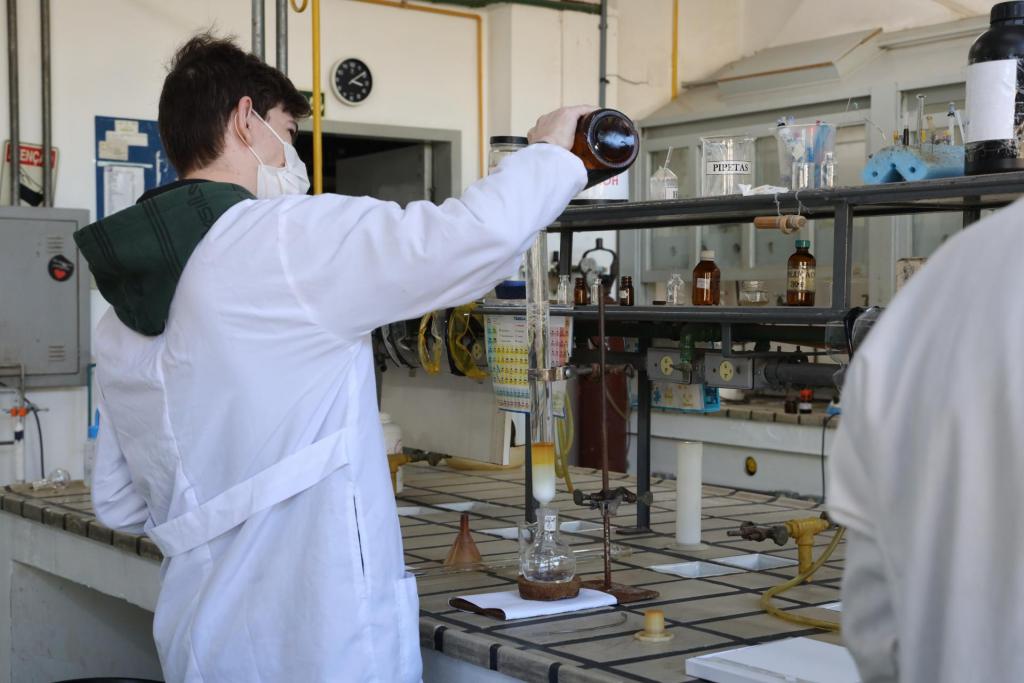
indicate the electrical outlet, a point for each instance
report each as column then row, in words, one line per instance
column 733, row 372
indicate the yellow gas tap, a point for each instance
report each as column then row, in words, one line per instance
column 804, row 531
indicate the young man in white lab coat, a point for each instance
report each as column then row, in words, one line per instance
column 240, row 426
column 928, row 466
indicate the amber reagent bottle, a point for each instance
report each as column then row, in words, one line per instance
column 800, row 276
column 580, row 295
column 707, row 281
column 626, row 295
column 608, row 143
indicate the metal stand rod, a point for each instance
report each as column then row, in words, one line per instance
column 602, row 59
column 44, row 29
column 258, row 21
column 13, row 107
column 842, row 255
column 565, row 253
column 282, row 36
column 605, row 515
column 643, row 442
column 971, row 214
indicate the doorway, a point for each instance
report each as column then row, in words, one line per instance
column 393, row 163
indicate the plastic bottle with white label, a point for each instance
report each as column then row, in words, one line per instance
column 995, row 114
column 664, row 184
column 707, row 280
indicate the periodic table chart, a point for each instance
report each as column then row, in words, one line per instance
column 508, row 363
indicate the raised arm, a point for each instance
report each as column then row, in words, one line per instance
column 358, row 263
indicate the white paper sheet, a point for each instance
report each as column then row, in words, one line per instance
column 515, row 607
column 122, row 187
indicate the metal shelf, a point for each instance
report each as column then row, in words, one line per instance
column 962, row 194
column 965, row 195
column 686, row 314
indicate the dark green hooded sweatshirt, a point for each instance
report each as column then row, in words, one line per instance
column 137, row 255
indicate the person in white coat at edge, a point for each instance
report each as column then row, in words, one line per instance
column 927, row 470
column 240, row 427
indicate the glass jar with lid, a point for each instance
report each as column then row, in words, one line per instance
column 753, row 293
column 501, row 147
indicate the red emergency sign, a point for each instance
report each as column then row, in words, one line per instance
column 30, row 155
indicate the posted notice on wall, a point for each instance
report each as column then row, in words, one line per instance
column 508, row 363
column 122, row 186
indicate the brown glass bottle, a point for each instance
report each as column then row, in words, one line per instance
column 607, row 142
column 626, row 295
column 580, row 295
column 800, row 276
column 707, row 281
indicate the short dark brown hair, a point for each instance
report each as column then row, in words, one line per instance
column 207, row 77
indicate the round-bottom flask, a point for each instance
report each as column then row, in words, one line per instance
column 548, row 559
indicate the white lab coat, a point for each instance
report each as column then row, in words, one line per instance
column 245, row 439
column 928, row 467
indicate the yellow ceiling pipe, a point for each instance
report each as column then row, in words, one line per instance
column 318, row 141
column 402, row 4
column 675, row 48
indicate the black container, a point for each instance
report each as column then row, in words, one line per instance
column 993, row 111
column 608, row 143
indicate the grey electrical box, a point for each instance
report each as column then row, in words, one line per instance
column 44, row 297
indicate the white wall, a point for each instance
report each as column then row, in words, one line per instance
column 109, row 58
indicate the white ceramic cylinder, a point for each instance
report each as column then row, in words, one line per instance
column 392, row 444
column 688, row 492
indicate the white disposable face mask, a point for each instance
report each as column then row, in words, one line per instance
column 274, row 181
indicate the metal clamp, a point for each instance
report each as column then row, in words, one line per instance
column 564, row 372
column 610, row 499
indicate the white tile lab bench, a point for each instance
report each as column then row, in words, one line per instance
column 72, row 607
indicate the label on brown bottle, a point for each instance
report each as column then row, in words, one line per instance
column 703, row 283
column 801, row 278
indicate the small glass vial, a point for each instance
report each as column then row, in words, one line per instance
column 595, row 290
column 562, row 295
column 753, row 293
column 580, row 296
column 800, row 276
column 707, row 281
column 626, row 295
column 806, row 397
column 675, row 291
column 548, row 559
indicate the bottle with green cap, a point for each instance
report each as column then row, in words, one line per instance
column 800, row 276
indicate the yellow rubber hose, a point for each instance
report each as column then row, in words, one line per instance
column 766, row 597
column 467, row 464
